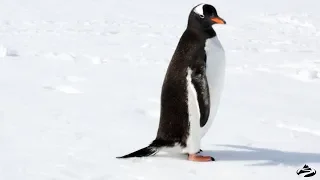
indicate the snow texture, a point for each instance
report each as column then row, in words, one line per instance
column 81, row 81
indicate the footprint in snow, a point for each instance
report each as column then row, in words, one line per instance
column 74, row 78
column 154, row 100
column 299, row 129
column 69, row 173
column 96, row 59
column 3, row 51
column 63, row 88
column 307, row 75
column 114, row 32
column 151, row 113
column 62, row 56
column 7, row 52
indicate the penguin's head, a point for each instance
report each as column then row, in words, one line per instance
column 205, row 15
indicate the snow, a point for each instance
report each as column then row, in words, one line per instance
column 80, row 84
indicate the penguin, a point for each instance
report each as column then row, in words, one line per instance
column 191, row 88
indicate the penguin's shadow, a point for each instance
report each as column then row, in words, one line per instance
column 269, row 156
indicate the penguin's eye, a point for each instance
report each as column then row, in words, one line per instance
column 201, row 16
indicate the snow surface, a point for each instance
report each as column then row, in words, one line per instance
column 80, row 84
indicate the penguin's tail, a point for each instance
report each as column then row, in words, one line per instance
column 150, row 150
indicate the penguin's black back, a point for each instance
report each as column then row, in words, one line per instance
column 174, row 124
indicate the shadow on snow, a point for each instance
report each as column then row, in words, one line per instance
column 269, row 156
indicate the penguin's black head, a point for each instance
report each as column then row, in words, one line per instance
column 204, row 15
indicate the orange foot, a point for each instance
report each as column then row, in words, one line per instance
column 199, row 158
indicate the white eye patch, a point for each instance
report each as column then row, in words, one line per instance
column 199, row 10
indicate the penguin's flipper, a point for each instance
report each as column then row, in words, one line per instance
column 199, row 80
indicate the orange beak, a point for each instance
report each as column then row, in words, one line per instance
column 218, row 20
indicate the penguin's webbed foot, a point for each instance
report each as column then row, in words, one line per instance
column 199, row 158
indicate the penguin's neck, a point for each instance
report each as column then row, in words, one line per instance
column 210, row 32
column 206, row 33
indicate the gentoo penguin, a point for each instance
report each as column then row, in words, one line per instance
column 191, row 88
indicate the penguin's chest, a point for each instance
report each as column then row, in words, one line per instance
column 215, row 71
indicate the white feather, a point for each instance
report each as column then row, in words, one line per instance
column 215, row 76
column 193, row 141
column 199, row 9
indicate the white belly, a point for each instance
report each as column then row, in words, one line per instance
column 215, row 76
